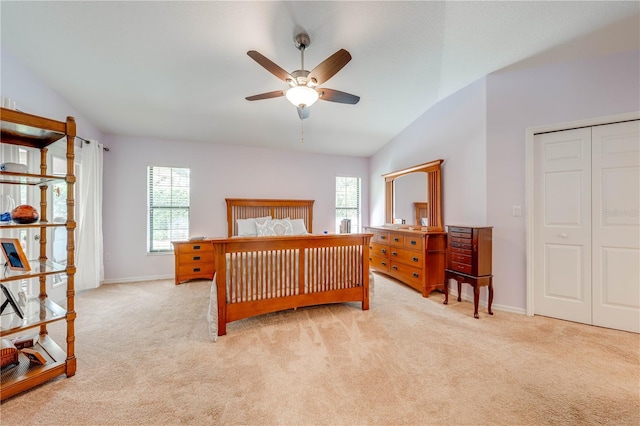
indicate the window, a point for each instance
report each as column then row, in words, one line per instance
column 168, row 195
column 348, row 202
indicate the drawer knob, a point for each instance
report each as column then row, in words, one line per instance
column 415, row 259
column 396, row 239
column 415, row 275
column 196, row 257
column 196, row 247
column 196, row 269
column 384, row 264
column 394, row 267
column 394, row 253
column 384, row 251
column 414, row 242
column 382, row 237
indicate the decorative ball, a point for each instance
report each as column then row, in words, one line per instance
column 24, row 213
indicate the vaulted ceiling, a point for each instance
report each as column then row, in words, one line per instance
column 179, row 70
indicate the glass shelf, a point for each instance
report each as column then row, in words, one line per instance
column 38, row 269
column 9, row 225
column 36, row 312
column 29, row 179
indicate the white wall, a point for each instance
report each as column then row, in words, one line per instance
column 35, row 97
column 480, row 133
column 516, row 100
column 452, row 130
column 217, row 172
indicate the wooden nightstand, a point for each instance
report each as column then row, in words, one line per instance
column 194, row 260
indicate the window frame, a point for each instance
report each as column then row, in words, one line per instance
column 174, row 231
column 355, row 227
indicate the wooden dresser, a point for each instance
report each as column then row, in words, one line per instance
column 415, row 257
column 469, row 261
column 194, row 260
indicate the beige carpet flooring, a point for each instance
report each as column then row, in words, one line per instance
column 144, row 357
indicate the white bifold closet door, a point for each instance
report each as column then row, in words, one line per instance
column 587, row 225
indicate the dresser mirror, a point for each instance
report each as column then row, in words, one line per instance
column 414, row 195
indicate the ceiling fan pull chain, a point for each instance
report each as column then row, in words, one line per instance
column 301, row 130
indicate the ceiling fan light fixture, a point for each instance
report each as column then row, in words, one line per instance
column 302, row 96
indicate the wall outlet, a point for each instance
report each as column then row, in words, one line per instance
column 516, row 211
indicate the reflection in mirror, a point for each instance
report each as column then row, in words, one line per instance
column 408, row 190
column 402, row 200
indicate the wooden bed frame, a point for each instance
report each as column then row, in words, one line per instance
column 270, row 274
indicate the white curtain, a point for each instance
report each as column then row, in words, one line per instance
column 89, row 243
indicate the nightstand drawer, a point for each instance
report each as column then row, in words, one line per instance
column 195, row 270
column 460, row 229
column 195, row 257
column 199, row 247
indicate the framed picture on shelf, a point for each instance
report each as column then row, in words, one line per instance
column 12, row 250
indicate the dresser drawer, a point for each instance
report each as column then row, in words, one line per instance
column 412, row 258
column 413, row 243
column 379, row 250
column 379, row 263
column 461, row 258
column 461, row 267
column 408, row 274
column 380, row 237
column 199, row 247
column 396, row 240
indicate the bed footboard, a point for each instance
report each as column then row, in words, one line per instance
column 269, row 274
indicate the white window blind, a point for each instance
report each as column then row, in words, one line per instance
column 168, row 205
column 348, row 202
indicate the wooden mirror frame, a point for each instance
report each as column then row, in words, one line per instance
column 434, row 185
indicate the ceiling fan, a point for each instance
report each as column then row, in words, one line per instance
column 303, row 91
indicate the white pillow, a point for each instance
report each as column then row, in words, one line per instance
column 247, row 227
column 280, row 227
column 298, row 227
column 262, row 228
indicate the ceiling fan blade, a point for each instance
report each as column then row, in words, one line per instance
column 270, row 66
column 330, row 66
column 268, row 95
column 338, row 96
column 303, row 113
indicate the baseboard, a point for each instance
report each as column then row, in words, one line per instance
column 137, row 279
column 453, row 294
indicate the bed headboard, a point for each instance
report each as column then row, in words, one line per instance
column 245, row 208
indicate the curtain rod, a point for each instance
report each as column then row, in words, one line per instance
column 88, row 141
